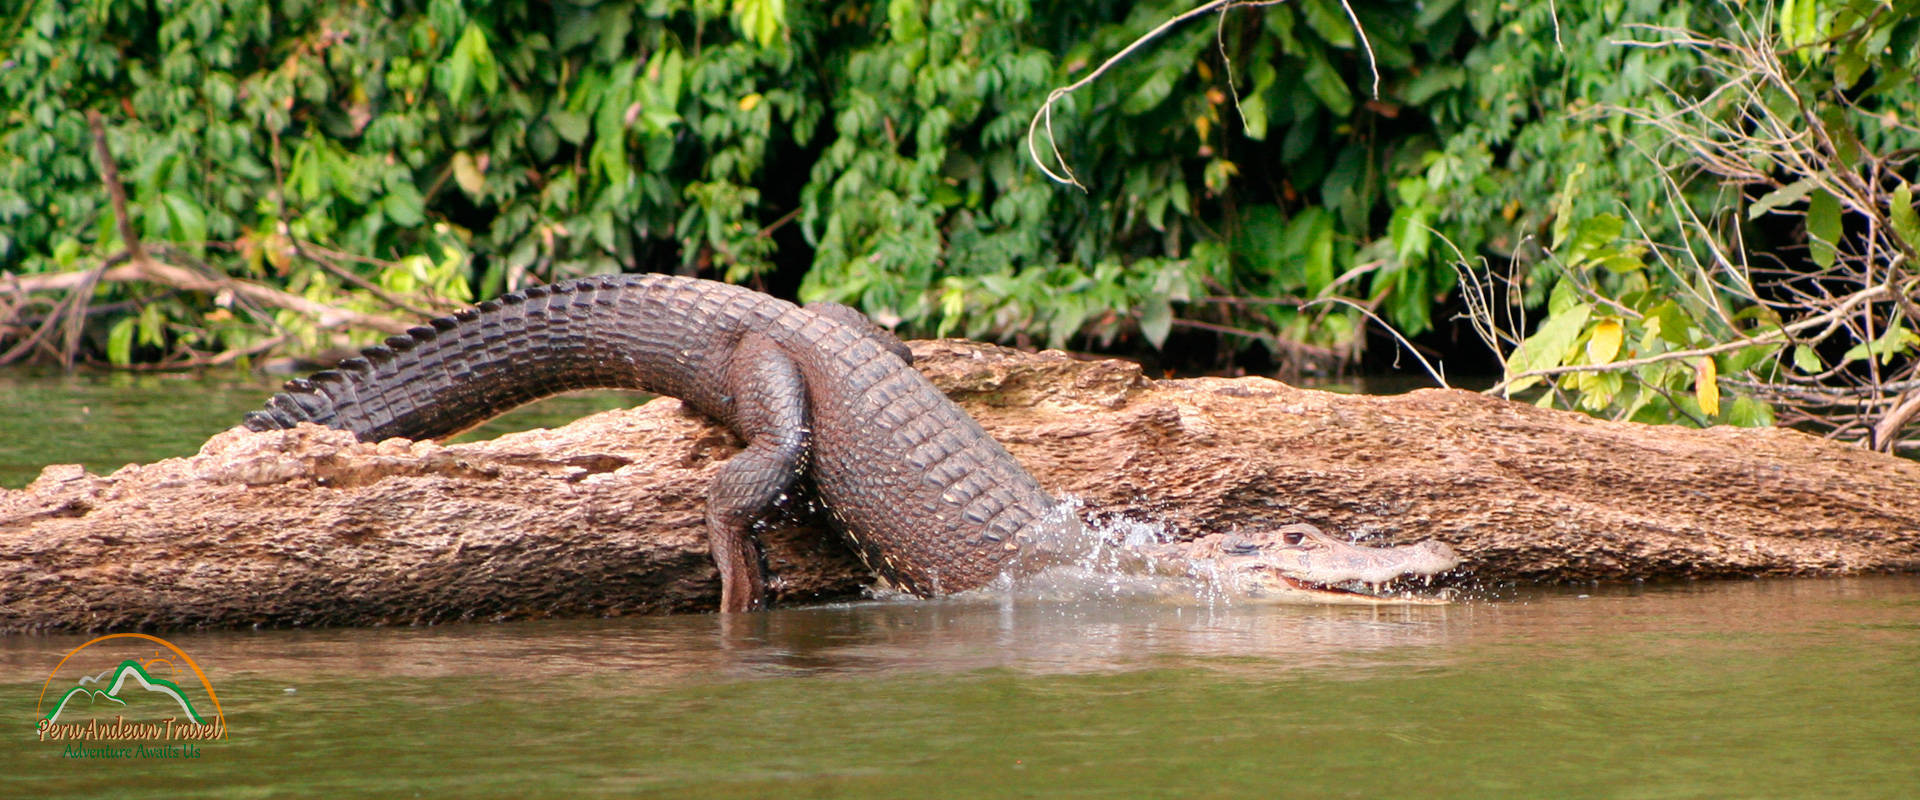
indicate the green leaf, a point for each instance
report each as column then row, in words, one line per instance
column 66, row 251
column 1150, row 93
column 1746, row 358
column 1563, row 205
column 1069, row 312
column 1672, row 324
column 484, row 67
column 456, row 73
column 1747, row 412
column 186, row 223
column 1622, row 264
column 1547, row 347
column 1784, row 196
column 1565, row 295
column 1253, row 116
column 153, row 325
column 1328, row 19
column 467, row 173
column 404, row 205
column 1846, row 147
column 1317, row 266
column 120, row 341
column 1156, row 320
column 571, row 126
column 1900, row 211
column 760, row 21
column 1799, row 22
column 1848, row 67
column 1896, row 341
column 1806, row 360
column 1592, row 236
column 470, row 60
column 1432, row 81
column 1408, row 233
column 1431, row 12
column 1823, row 227
column 1327, row 85
column 904, row 21
column 1597, row 389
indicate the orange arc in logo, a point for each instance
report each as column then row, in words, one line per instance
column 218, row 713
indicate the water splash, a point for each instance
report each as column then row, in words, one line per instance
column 1070, row 557
column 1079, row 560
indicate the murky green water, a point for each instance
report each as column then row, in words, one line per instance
column 1785, row 688
column 1746, row 689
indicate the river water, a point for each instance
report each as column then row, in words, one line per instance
column 1775, row 688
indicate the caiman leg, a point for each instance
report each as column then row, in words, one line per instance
column 771, row 412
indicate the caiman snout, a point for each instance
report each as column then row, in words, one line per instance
column 1305, row 553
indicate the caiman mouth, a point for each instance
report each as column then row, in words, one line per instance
column 1353, row 592
column 1298, row 562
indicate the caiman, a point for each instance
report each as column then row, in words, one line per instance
column 931, row 502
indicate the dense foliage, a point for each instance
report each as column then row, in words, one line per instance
column 1240, row 171
column 1791, row 293
column 1238, row 157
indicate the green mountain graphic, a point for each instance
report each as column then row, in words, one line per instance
column 116, row 680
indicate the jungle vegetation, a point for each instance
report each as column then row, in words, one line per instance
column 1665, row 212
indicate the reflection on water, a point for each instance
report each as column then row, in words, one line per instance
column 995, row 632
column 990, row 632
column 1749, row 689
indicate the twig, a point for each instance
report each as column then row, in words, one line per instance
column 1372, row 64
column 39, row 334
column 116, row 192
column 1044, row 116
column 63, row 281
column 775, row 225
column 320, row 255
column 326, row 316
column 221, row 358
column 1439, row 376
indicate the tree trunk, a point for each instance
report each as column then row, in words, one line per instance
column 604, row 516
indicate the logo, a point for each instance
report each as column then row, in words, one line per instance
column 129, row 695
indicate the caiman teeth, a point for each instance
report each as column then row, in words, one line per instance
column 1311, row 586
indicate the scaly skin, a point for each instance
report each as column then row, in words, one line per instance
column 932, row 503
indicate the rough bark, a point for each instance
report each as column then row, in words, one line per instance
column 603, row 516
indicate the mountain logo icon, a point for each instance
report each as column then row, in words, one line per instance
column 127, row 676
column 129, row 687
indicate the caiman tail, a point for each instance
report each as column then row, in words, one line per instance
column 459, row 371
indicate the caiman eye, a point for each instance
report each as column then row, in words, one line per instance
column 1293, row 538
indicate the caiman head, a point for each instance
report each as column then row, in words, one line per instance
column 1299, row 561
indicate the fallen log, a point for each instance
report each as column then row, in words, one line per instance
column 603, row 516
